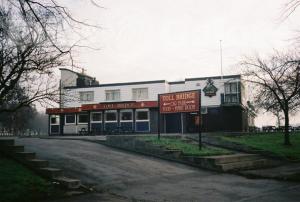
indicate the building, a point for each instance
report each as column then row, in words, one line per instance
column 90, row 107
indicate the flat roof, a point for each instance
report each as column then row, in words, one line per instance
column 156, row 81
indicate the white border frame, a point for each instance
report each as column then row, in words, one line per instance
column 146, row 120
column 110, row 111
column 99, row 112
column 66, row 119
column 82, row 123
column 51, row 124
column 126, row 110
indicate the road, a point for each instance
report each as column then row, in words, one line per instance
column 132, row 177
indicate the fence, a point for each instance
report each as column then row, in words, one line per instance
column 6, row 132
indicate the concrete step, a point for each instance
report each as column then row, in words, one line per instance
column 12, row 148
column 38, row 163
column 244, row 165
column 174, row 152
column 50, row 172
column 25, row 155
column 232, row 158
column 68, row 182
column 7, row 142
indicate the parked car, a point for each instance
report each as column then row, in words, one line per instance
column 268, row 128
column 282, row 128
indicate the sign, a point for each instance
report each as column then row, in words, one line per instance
column 188, row 101
column 120, row 105
column 210, row 89
column 104, row 106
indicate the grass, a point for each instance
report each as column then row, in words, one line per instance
column 271, row 143
column 186, row 148
column 18, row 183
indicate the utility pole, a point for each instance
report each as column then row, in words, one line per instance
column 221, row 59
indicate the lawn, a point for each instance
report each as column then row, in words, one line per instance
column 271, row 143
column 18, row 183
column 186, row 148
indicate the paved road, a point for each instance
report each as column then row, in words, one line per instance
column 131, row 177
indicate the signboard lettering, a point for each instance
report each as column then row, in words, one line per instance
column 188, row 101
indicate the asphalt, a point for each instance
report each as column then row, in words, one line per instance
column 121, row 176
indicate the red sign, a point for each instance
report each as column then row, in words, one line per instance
column 104, row 106
column 188, row 101
column 120, row 105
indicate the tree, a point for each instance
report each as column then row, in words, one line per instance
column 276, row 82
column 32, row 46
column 19, row 120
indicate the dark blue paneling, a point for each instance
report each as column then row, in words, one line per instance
column 111, row 126
column 142, row 126
column 173, row 123
column 55, row 129
column 96, row 128
column 126, row 126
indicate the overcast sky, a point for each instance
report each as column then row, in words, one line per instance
column 175, row 39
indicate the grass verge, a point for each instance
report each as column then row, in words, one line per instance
column 186, row 148
column 272, row 143
column 17, row 183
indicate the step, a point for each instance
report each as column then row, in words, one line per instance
column 7, row 142
column 12, row 148
column 244, row 165
column 51, row 172
column 174, row 152
column 38, row 163
column 25, row 155
column 68, row 182
column 232, row 158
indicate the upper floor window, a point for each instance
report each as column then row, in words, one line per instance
column 231, row 88
column 112, row 95
column 86, row 96
column 139, row 93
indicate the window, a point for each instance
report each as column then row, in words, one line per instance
column 70, row 119
column 142, row 115
column 112, row 95
column 139, row 93
column 83, row 118
column 231, row 88
column 54, row 119
column 126, row 116
column 233, row 98
column 86, row 96
column 111, row 116
column 96, row 117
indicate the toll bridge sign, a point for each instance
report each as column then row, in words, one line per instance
column 187, row 101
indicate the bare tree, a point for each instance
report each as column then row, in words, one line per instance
column 276, row 83
column 32, row 46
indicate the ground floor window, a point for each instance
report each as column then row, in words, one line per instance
column 96, row 117
column 70, row 119
column 83, row 118
column 54, row 119
column 142, row 123
column 111, row 116
column 126, row 115
column 142, row 115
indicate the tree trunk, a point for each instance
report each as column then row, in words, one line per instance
column 286, row 128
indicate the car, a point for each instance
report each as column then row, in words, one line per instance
column 268, row 128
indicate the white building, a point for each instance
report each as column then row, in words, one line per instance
column 97, row 108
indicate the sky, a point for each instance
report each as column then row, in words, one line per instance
column 176, row 39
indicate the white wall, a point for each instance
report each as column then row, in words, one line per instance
column 200, row 84
column 153, row 90
column 125, row 92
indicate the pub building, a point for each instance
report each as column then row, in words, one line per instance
column 88, row 107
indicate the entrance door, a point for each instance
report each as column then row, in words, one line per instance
column 173, row 123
